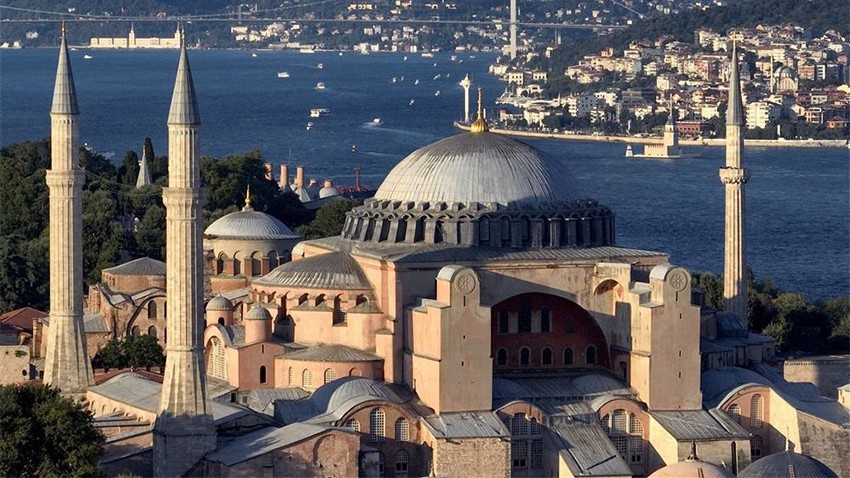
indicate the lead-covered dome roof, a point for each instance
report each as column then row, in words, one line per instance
column 479, row 167
column 249, row 224
column 787, row 464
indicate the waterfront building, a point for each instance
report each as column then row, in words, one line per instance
column 133, row 42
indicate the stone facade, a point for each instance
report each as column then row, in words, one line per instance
column 827, row 373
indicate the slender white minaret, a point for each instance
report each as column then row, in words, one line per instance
column 144, row 178
column 67, row 364
column 184, row 430
column 465, row 83
column 513, row 29
column 734, row 176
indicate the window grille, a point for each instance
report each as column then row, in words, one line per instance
column 376, row 425
column 537, row 453
column 756, row 411
column 330, row 375
column 519, row 453
column 547, row 356
column 402, row 430
column 401, row 459
column 755, row 446
column 307, row 378
column 569, row 356
column 735, row 413
column 353, row 424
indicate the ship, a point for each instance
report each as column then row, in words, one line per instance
column 319, row 112
column 320, row 85
column 282, row 74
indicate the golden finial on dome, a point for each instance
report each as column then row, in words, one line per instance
column 479, row 126
column 247, row 199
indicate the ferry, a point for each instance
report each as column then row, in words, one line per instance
column 320, row 85
column 319, row 112
column 87, row 57
column 320, row 66
column 282, row 74
column 377, row 121
column 427, row 55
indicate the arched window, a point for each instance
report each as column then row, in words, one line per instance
column 502, row 357
column 237, row 266
column 735, row 413
column 338, row 313
column 401, row 459
column 569, row 356
column 755, row 447
column 306, row 378
column 519, row 424
column 524, row 356
column 353, row 424
column 262, row 374
column 626, row 433
column 402, row 429
column 545, row 320
column 302, row 299
column 756, row 411
column 152, row 331
column 546, row 356
column 221, row 321
column 217, row 366
column 320, row 299
column 291, row 376
column 524, row 317
column 151, row 310
column 376, row 425
column 355, row 372
column 256, row 264
column 504, row 323
column 590, row 355
column 135, row 332
column 330, row 375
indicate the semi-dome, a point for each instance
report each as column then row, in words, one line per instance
column 329, row 271
column 249, row 224
column 479, row 167
column 787, row 464
column 219, row 303
column 481, row 189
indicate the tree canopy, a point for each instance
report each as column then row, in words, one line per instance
column 45, row 434
column 133, row 351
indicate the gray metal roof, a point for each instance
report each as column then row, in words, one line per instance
column 330, row 402
column 263, row 441
column 587, row 450
column 333, row 270
column 467, row 425
column 64, row 91
column 143, row 266
column 480, row 167
column 184, row 104
column 787, row 464
column 95, row 322
column 262, row 400
column 258, row 312
column 220, row 302
column 448, row 253
column 699, row 425
column 556, row 389
column 331, row 353
column 249, row 224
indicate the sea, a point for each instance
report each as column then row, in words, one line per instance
column 383, row 106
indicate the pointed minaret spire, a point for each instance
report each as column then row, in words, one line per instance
column 479, row 126
column 144, row 178
column 184, row 431
column 734, row 176
column 67, row 363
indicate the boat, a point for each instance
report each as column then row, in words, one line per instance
column 629, row 152
column 87, row 57
column 454, row 57
column 319, row 112
column 394, row 80
column 309, row 125
column 306, row 50
column 411, row 102
column 282, row 74
column 405, row 57
column 320, row 66
column 253, row 55
column 437, row 93
column 427, row 55
column 320, row 85
column 416, row 82
column 435, row 65
column 377, row 121
column 437, row 77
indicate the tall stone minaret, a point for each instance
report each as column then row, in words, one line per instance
column 184, row 430
column 67, row 364
column 144, row 178
column 734, row 176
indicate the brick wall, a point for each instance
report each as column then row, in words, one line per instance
column 472, row 457
column 827, row 373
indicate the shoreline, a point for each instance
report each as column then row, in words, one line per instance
column 714, row 142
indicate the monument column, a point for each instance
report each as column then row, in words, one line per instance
column 734, row 176
column 465, row 83
column 184, row 430
column 67, row 364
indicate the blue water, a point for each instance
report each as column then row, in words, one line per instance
column 798, row 199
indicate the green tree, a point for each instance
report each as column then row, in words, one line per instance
column 45, row 434
column 329, row 220
column 143, row 351
column 780, row 330
column 103, row 237
column 111, row 355
column 712, row 285
column 150, row 234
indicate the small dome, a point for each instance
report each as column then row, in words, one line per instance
column 219, row 303
column 785, row 72
column 258, row 312
column 249, row 224
column 692, row 469
column 327, row 192
column 332, row 270
column 479, row 167
column 787, row 464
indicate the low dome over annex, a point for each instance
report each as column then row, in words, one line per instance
column 479, row 188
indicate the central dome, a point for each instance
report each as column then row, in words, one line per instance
column 479, row 167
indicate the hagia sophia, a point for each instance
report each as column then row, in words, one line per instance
column 476, row 317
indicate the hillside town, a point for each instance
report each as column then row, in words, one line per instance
column 795, row 86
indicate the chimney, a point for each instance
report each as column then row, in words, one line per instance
column 328, row 183
column 299, row 177
column 284, row 176
column 269, row 173
column 313, row 182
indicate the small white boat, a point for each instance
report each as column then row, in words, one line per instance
column 309, row 125
column 416, row 82
column 405, row 57
column 427, row 55
column 306, row 50
column 87, row 57
column 411, row 102
column 437, row 93
column 401, row 79
column 253, row 55
column 282, row 74
column 319, row 112
column 320, row 66
column 437, row 77
column 454, row 57
column 340, row 53
column 320, row 85
column 377, row 121
column 435, row 65
column 394, row 80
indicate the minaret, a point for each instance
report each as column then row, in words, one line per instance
column 513, row 30
column 144, row 178
column 734, row 176
column 671, row 137
column 184, row 430
column 67, row 364
column 465, row 83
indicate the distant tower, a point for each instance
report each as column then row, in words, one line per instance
column 734, row 176
column 465, row 83
column 67, row 364
column 513, row 29
column 671, row 137
column 184, row 430
column 131, row 38
column 144, row 178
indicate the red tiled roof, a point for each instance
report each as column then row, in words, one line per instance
column 102, row 377
column 22, row 318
